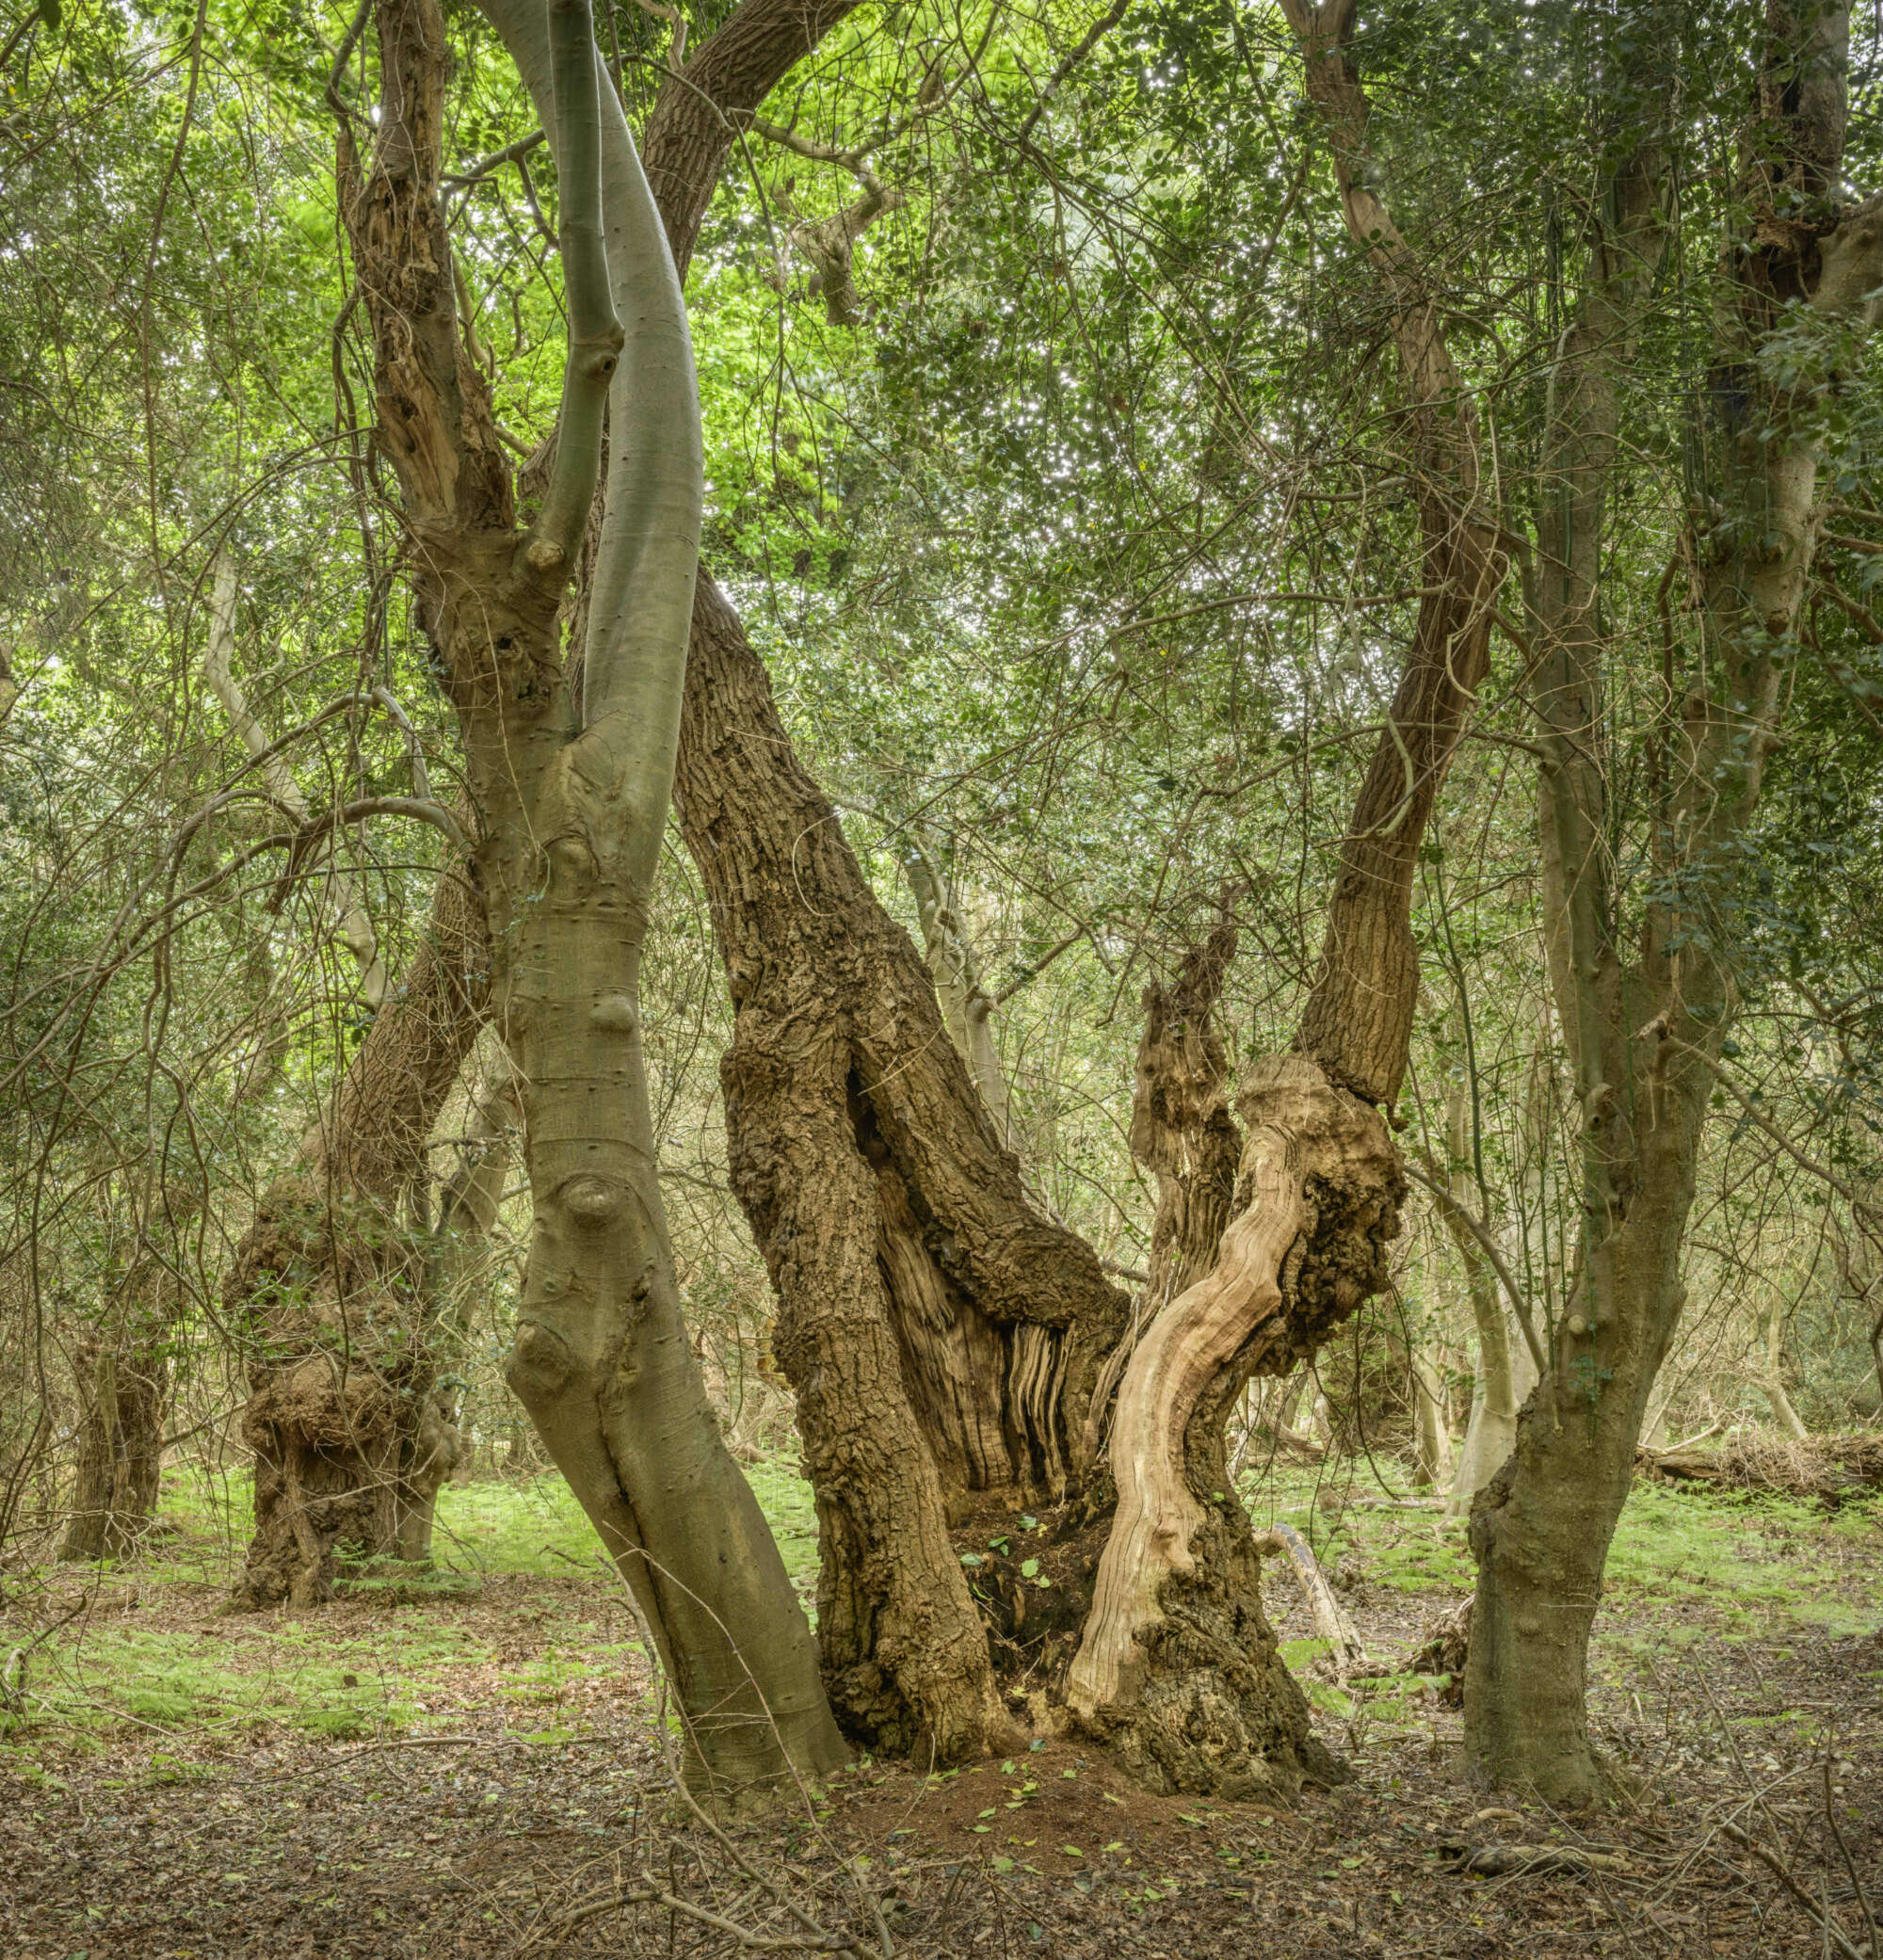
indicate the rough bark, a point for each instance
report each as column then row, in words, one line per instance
column 329, row 1283
column 1647, row 1025
column 1320, row 1186
column 569, row 765
column 124, row 1395
column 943, row 1341
column 1181, row 1131
column 1166, row 1668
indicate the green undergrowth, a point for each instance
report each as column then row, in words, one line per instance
column 153, row 1660
column 154, row 1656
column 1740, row 1562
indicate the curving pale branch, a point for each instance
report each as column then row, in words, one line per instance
column 595, row 333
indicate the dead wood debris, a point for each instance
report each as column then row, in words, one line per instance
column 1826, row 1470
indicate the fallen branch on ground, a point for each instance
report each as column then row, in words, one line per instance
column 1330, row 1622
column 1529, row 1860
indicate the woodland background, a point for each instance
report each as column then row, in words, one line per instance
column 1055, row 466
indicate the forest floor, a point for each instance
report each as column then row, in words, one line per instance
column 473, row 1764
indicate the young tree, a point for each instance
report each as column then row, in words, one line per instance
column 1645, row 977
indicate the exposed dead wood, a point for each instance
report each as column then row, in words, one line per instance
column 1826, row 1470
column 1346, row 1649
column 1529, row 1860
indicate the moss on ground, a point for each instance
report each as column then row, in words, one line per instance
column 410, row 1648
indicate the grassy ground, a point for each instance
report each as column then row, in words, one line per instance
column 434, row 1764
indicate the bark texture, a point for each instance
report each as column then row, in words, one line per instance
column 569, row 763
column 329, row 1284
column 1320, row 1184
column 1646, row 1021
column 943, row 1341
column 952, row 1352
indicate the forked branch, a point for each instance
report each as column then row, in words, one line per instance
column 595, row 333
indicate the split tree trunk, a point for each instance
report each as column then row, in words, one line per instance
column 946, row 1344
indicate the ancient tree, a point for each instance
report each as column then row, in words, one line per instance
column 955, row 1355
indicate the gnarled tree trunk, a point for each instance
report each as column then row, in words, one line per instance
column 1169, row 1669
column 329, row 1284
column 951, row 1350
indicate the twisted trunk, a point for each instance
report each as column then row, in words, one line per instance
column 1167, row 1673
column 942, row 1339
column 952, row 1352
column 569, row 767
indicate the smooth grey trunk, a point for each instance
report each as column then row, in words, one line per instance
column 967, row 1008
column 576, row 799
column 1496, row 1390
